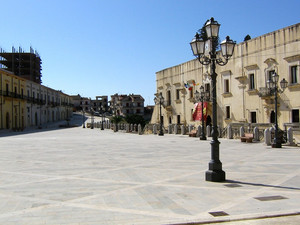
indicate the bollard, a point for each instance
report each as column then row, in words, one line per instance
column 170, row 129
column 140, row 129
column 256, row 134
column 154, row 129
column 267, row 136
column 229, row 132
column 290, row 137
column 175, row 129
column 208, row 131
column 198, row 131
column 182, row 129
column 242, row 132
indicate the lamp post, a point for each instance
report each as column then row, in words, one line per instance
column 202, row 96
column 83, row 119
column 92, row 118
column 198, row 45
column 160, row 100
column 272, row 84
column 102, row 114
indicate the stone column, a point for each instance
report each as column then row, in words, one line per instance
column 170, row 129
column 242, row 132
column 182, row 129
column 208, row 131
column 290, row 136
column 199, row 131
column 229, row 132
column 220, row 131
column 256, row 134
column 175, row 129
column 267, row 136
column 154, row 129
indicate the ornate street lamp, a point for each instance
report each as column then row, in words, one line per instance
column 202, row 96
column 198, row 45
column 160, row 100
column 272, row 84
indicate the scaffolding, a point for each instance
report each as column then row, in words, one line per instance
column 23, row 64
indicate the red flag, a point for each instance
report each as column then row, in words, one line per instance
column 197, row 114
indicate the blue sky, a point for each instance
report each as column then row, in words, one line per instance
column 103, row 47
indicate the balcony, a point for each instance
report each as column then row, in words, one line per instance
column 264, row 92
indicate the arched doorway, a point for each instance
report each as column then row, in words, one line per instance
column 272, row 117
column 208, row 120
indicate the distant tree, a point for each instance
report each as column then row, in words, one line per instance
column 116, row 119
column 135, row 119
column 248, row 37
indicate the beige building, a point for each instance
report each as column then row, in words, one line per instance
column 242, row 94
column 25, row 103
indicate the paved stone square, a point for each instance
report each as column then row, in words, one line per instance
column 88, row 176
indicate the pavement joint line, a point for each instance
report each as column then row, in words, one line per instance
column 226, row 220
column 123, row 210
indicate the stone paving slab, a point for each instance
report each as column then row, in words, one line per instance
column 88, row 176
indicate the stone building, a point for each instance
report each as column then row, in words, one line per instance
column 242, row 93
column 25, row 103
column 122, row 105
column 100, row 103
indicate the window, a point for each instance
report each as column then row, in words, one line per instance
column 227, row 112
column 251, row 82
column 177, row 94
column 253, row 117
column 226, row 86
column 168, row 98
column 270, row 74
column 272, row 117
column 295, row 116
column 294, row 75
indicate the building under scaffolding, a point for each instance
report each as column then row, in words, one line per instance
column 23, row 64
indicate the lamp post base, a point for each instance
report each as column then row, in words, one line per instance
column 203, row 138
column 276, row 145
column 215, row 175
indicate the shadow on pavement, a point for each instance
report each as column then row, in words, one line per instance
column 76, row 121
column 260, row 185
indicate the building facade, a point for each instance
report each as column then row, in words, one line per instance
column 100, row 103
column 25, row 103
column 242, row 93
column 123, row 105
